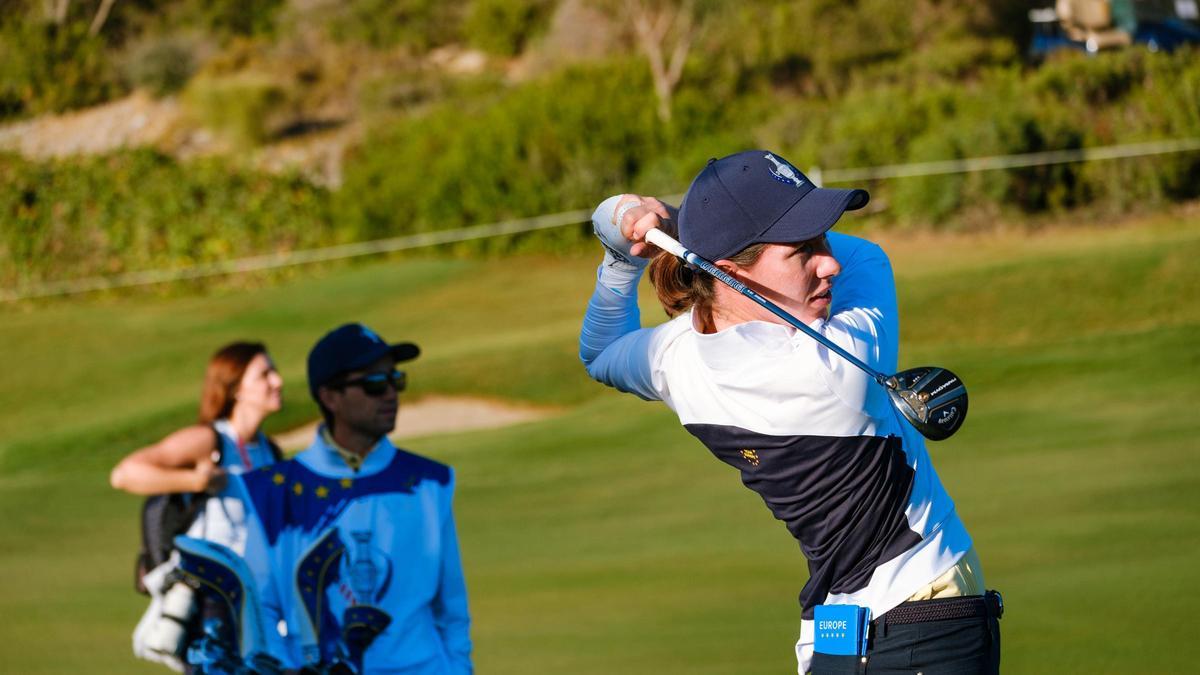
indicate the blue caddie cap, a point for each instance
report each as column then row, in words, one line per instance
column 348, row 348
column 757, row 197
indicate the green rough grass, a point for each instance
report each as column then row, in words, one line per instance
column 605, row 539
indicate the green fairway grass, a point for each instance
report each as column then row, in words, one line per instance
column 605, row 539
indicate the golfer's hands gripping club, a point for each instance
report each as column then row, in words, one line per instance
column 623, row 232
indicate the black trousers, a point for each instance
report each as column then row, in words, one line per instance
column 948, row 647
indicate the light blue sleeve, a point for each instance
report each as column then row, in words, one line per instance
column 864, row 300
column 450, row 613
column 613, row 346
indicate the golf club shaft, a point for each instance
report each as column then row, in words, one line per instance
column 667, row 243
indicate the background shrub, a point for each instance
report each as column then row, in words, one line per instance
column 246, row 107
column 228, row 17
column 538, row 148
column 161, row 65
column 47, row 68
column 143, row 210
column 1069, row 103
column 419, row 25
column 504, row 27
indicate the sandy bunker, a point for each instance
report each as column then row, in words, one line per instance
column 434, row 415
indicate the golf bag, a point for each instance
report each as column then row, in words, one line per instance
column 239, row 648
column 360, row 624
column 237, row 643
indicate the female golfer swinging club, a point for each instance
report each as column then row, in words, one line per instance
column 892, row 571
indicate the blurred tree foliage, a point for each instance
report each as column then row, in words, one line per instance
column 829, row 83
column 230, row 17
column 143, row 210
column 540, row 147
column 419, row 25
column 56, row 56
column 49, row 67
column 161, row 63
column 505, row 27
column 820, row 47
column 244, row 107
column 1073, row 102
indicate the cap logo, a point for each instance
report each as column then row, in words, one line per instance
column 784, row 172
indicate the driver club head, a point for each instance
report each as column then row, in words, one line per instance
column 933, row 399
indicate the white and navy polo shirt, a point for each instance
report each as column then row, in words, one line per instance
column 814, row 436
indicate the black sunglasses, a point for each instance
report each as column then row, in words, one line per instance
column 376, row 384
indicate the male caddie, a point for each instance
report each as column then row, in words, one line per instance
column 356, row 551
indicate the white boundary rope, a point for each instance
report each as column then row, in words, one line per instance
column 969, row 165
column 520, row 225
column 300, row 257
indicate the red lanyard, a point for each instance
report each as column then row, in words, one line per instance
column 241, row 446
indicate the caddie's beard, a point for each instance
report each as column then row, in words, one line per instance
column 374, row 428
column 379, row 427
column 375, row 432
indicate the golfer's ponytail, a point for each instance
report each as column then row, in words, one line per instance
column 681, row 288
column 677, row 286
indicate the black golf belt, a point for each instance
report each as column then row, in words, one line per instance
column 943, row 609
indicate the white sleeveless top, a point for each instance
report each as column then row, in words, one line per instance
column 223, row 518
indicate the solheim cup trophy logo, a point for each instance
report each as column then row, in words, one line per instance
column 784, row 172
column 364, row 572
column 370, row 573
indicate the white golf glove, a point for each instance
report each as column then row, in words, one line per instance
column 615, row 243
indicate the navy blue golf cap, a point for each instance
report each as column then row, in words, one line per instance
column 757, row 197
column 348, row 348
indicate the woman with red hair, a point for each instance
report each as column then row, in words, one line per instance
column 241, row 388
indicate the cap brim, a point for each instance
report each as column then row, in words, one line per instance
column 405, row 351
column 813, row 215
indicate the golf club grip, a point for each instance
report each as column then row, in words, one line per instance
column 670, row 245
column 667, row 243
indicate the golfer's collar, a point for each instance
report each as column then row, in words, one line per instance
column 337, row 459
column 729, row 347
column 756, row 330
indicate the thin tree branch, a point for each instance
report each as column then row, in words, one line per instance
column 682, row 44
column 60, row 11
column 652, row 26
column 101, row 17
